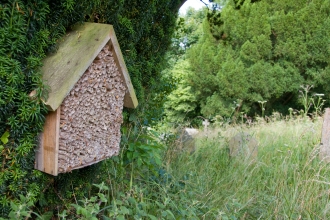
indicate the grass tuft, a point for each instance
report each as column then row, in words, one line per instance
column 287, row 181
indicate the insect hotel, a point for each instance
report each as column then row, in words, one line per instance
column 88, row 87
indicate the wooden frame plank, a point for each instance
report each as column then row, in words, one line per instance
column 47, row 155
column 325, row 140
column 130, row 100
column 77, row 50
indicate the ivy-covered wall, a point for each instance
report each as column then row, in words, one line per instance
column 28, row 31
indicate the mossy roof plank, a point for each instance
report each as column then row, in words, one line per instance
column 76, row 51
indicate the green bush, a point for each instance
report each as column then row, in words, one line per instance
column 258, row 50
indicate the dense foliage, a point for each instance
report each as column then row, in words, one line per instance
column 181, row 103
column 30, row 29
column 255, row 51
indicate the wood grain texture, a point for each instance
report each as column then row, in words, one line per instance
column 130, row 100
column 47, row 155
column 76, row 52
column 89, row 86
column 325, row 139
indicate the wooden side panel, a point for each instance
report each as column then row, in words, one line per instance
column 130, row 100
column 47, row 155
column 325, row 140
column 38, row 164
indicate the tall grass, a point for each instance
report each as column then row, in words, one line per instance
column 287, row 181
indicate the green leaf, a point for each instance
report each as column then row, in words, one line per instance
column 118, row 202
column 170, row 213
column 132, row 118
column 152, row 217
column 26, row 213
column 131, row 200
column 101, row 186
column 120, row 217
column 4, row 137
column 161, row 206
column 62, row 215
column 84, row 212
column 102, row 197
column 45, row 216
column 139, row 161
column 13, row 206
column 124, row 210
column 93, row 199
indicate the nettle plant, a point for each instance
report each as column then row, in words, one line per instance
column 142, row 149
column 20, row 208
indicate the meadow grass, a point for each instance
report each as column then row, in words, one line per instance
column 286, row 181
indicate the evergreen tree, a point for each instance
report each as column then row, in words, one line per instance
column 181, row 102
column 260, row 50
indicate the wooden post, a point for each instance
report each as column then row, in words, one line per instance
column 325, row 140
column 47, row 155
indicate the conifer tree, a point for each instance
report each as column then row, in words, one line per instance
column 261, row 50
column 181, row 103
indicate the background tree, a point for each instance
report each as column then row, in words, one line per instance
column 181, row 102
column 260, row 50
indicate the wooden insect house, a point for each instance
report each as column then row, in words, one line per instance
column 88, row 87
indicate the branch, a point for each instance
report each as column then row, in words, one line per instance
column 204, row 3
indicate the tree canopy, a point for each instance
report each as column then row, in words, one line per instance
column 260, row 50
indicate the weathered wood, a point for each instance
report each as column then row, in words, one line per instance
column 89, row 85
column 325, row 139
column 47, row 154
column 130, row 100
column 76, row 52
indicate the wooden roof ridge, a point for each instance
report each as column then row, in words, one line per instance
column 76, row 51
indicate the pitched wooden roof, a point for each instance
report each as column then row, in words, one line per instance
column 76, row 51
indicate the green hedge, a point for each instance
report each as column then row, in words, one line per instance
column 28, row 31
